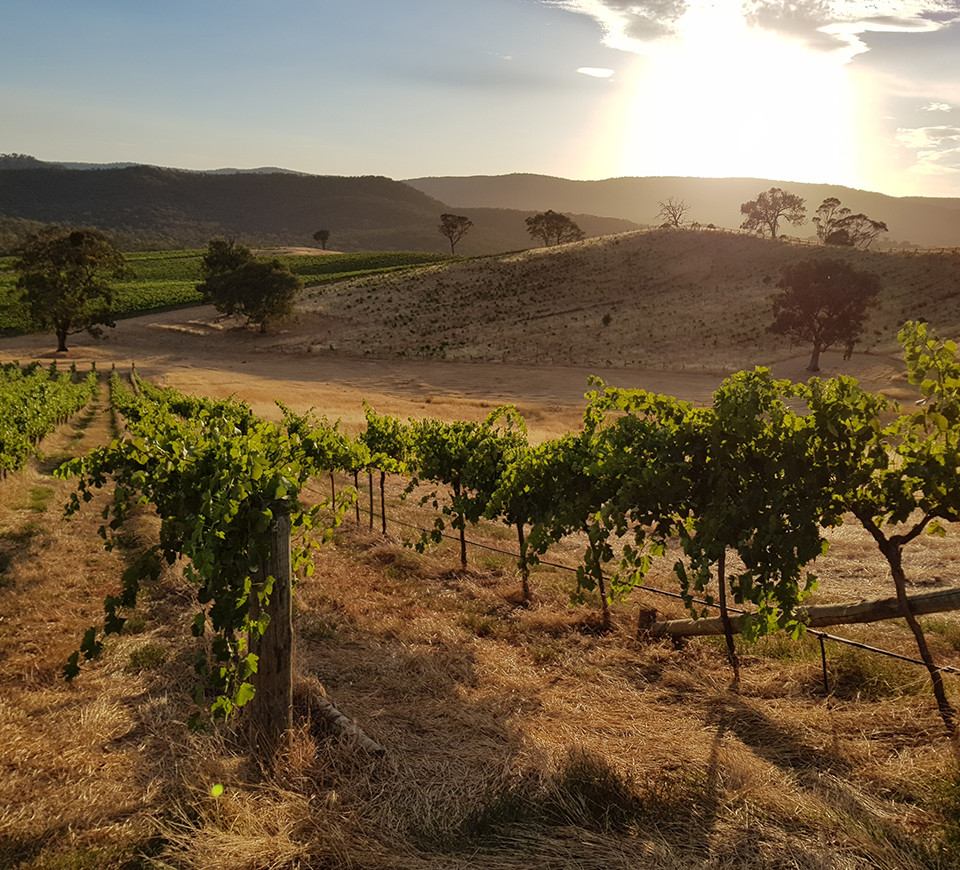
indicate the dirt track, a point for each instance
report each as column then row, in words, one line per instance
column 197, row 351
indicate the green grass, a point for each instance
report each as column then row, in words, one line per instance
column 168, row 279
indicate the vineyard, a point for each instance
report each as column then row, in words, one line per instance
column 508, row 728
column 168, row 279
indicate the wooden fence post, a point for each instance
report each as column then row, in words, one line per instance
column 271, row 710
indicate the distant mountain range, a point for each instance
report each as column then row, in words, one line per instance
column 920, row 221
column 153, row 207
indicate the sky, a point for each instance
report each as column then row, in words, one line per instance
column 861, row 93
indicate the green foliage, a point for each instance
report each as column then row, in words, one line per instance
column 823, row 302
column 64, row 277
column 238, row 283
column 467, row 457
column 217, row 480
column 33, row 401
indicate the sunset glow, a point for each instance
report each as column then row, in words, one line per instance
column 863, row 93
column 731, row 100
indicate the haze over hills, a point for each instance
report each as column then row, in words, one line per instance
column 152, row 207
column 920, row 221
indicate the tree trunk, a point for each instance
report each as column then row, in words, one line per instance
column 894, row 556
column 271, row 710
column 725, row 616
column 61, row 340
column 814, row 365
column 370, row 487
column 605, row 624
column 383, row 503
column 461, row 524
column 524, row 567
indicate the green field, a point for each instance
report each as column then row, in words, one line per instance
column 168, row 279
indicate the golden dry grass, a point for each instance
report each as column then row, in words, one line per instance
column 516, row 737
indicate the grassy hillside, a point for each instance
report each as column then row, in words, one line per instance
column 678, row 298
column 167, row 279
column 149, row 207
column 923, row 221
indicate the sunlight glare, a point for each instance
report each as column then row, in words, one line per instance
column 728, row 100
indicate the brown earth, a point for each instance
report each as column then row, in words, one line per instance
column 197, row 351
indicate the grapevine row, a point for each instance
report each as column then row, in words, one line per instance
column 33, row 402
column 758, row 476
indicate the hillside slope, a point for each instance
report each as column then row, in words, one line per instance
column 679, row 299
column 150, row 207
column 923, row 221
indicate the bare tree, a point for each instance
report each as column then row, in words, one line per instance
column 672, row 212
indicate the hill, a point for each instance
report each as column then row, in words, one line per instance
column 920, row 221
column 147, row 207
column 676, row 299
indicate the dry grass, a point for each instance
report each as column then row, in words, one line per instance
column 517, row 737
column 696, row 301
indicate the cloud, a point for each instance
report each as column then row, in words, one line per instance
column 937, row 148
column 627, row 24
column 595, row 71
column 825, row 25
column 937, row 107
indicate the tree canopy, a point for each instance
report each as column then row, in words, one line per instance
column 553, row 228
column 454, row 227
column 322, row 236
column 236, row 282
column 824, row 302
column 836, row 225
column 64, row 278
column 763, row 214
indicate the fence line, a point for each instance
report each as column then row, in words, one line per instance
column 821, row 636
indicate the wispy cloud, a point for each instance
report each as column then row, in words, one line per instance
column 937, row 148
column 937, row 107
column 595, row 72
column 826, row 25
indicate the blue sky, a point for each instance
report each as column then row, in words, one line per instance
column 864, row 93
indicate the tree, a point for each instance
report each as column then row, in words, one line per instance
column 552, row 228
column 837, row 226
column 236, row 282
column 824, row 302
column 322, row 236
column 856, row 231
column 672, row 212
column 766, row 211
column 64, row 280
column 454, row 227
column 828, row 213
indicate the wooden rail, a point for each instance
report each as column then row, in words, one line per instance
column 822, row 615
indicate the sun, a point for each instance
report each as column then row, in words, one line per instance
column 728, row 100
